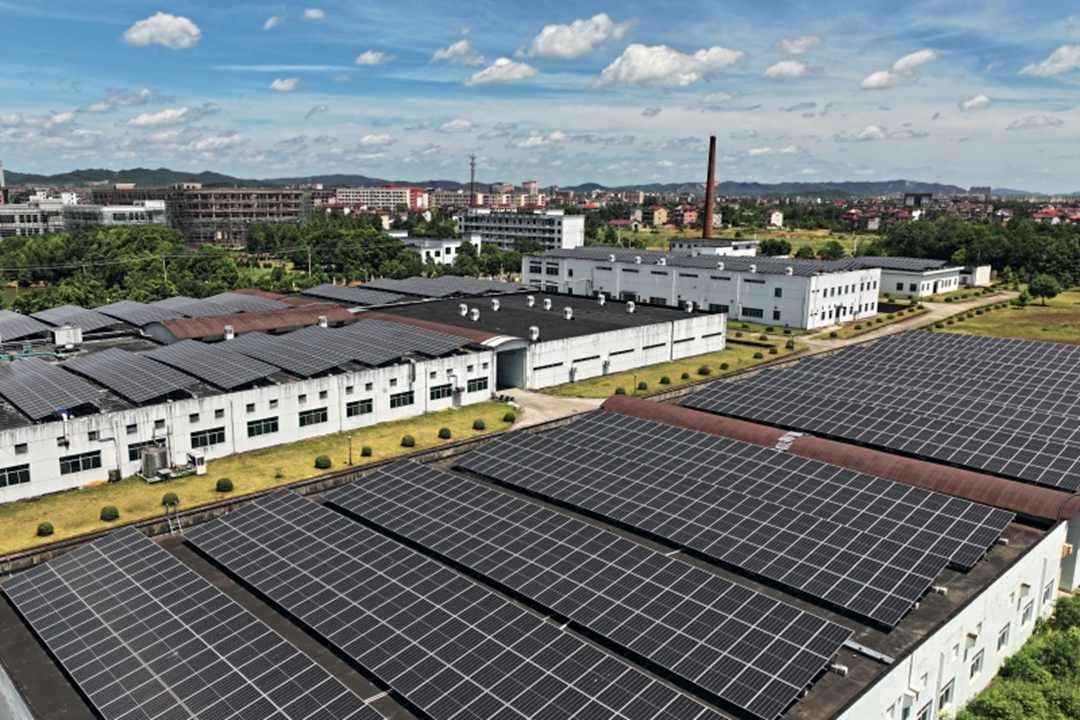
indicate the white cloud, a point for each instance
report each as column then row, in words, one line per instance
column 808, row 171
column 314, row 14
column 785, row 150
column 651, row 111
column 1035, row 122
column 874, row 133
column 371, row 57
column 171, row 31
column 502, row 70
column 316, row 110
column 377, row 140
column 459, row 53
column 665, row 163
column 285, row 84
column 871, row 132
column 1064, row 59
column 58, row 119
column 115, row 99
column 540, row 139
column 786, row 69
column 168, row 116
column 459, row 125
column 913, row 61
column 906, row 68
column 661, row 65
column 566, row 42
column 879, row 80
column 715, row 101
column 799, row 45
column 102, row 106
column 163, row 136
column 978, row 102
column 272, row 22
column 215, row 142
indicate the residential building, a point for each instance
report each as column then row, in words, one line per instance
column 654, row 216
column 774, row 219
column 441, row 251
column 550, row 229
column 385, row 197
column 713, row 246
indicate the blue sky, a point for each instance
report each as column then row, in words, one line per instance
column 962, row 92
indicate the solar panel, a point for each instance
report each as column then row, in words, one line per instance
column 215, row 364
column 40, row 389
column 191, row 307
column 240, row 302
column 732, row 643
column 445, row 286
column 300, row 353
column 873, row 577
column 145, row 637
column 450, row 647
column 129, row 374
column 88, row 320
column 14, row 326
column 403, row 338
column 1008, row 407
column 136, row 313
column 352, row 295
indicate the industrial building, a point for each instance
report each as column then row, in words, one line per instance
column 713, row 246
column 143, row 212
column 777, row 291
column 549, row 229
column 918, row 277
column 441, row 251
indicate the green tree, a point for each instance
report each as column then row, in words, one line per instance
column 832, row 250
column 774, row 246
column 805, row 253
column 1044, row 286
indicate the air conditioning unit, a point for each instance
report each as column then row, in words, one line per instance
column 547, row 303
column 495, row 304
column 568, row 313
column 474, row 314
column 601, row 299
column 463, row 309
column 534, row 333
column 530, row 301
column 68, row 337
column 630, row 306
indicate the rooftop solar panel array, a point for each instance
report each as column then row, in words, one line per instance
column 88, row 320
column 875, row 572
column 130, row 375
column 14, row 326
column 448, row 646
column 215, row 364
column 191, row 307
column 145, row 638
column 242, row 302
column 445, row 286
column 402, row 338
column 136, row 313
column 753, row 652
column 305, row 353
column 1008, row 407
column 40, row 390
column 352, row 295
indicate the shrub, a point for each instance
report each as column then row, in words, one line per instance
column 758, row 356
column 949, row 322
column 109, row 513
column 948, row 299
column 1066, row 613
column 170, row 500
column 479, row 424
column 770, row 329
column 665, row 380
column 724, row 366
column 858, row 326
column 978, row 312
column 44, row 529
column 323, row 462
column 763, row 337
column 704, row 370
column 366, row 451
column 643, row 385
column 509, row 417
column 224, row 485
column 408, row 441
column 891, row 316
column 939, row 325
column 790, row 344
column 279, row 474
column 878, row 320
column 833, row 334
column 738, row 334
column 744, row 326
column 787, row 331
column 773, row 351
column 685, row 376
column 444, row 433
column 620, row 390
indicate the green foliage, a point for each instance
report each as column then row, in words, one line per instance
column 1044, row 286
column 509, row 417
column 643, row 385
column 479, row 424
column 685, row 376
column 774, row 246
column 723, row 366
column 790, row 344
column 774, row 351
column 223, row 485
column 832, row 250
column 665, row 380
column 620, row 390
column 44, row 529
column 366, row 451
column 758, row 355
column 109, row 513
column 444, row 433
column 704, row 370
column 408, row 441
column 170, row 500
column 323, row 462
column 1066, row 613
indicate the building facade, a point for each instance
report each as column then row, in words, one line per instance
column 143, row 212
column 711, row 246
column 550, row 229
column 441, row 251
column 386, row 197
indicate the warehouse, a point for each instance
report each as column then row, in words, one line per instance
column 776, row 291
column 919, row 277
column 545, row 340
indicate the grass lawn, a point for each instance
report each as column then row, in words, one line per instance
column 1058, row 321
column 751, row 330
column 854, row 329
column 77, row 512
column 738, row 357
column 961, row 294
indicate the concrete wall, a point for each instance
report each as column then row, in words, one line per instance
column 173, row 423
column 977, row 276
column 947, row 655
column 919, row 284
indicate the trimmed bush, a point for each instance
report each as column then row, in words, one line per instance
column 509, row 417
column 704, row 370
column 773, row 351
column 763, row 337
column 833, row 334
column 444, row 433
column 479, row 424
column 170, row 500
column 878, row 320
column 224, row 485
column 408, row 441
column 770, row 329
column 891, row 316
column 744, row 326
column 643, row 385
column 939, row 325
column 685, row 376
column 790, row 345
column 366, row 451
column 858, row 326
column 759, row 356
column 948, row 299
column 44, row 529
column 978, row 312
column 279, row 474
column 665, row 380
column 738, row 334
column 620, row 390
column 948, row 322
column 323, row 462
column 109, row 513
column 787, row 331
column 724, row 366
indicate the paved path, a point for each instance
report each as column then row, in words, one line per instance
column 538, row 407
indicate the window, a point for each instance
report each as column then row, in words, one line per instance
column 438, row 392
column 402, row 399
column 264, row 426
column 547, row 367
column 78, row 463
column 368, row 386
column 393, row 382
column 92, row 435
column 946, row 695
column 313, row 417
column 273, row 403
column 900, row 286
column 219, row 413
column 715, row 308
column 778, row 292
column 924, row 714
column 551, row 270
column 775, row 314
column 1003, row 637
column 976, row 664
column 193, row 418
column 322, row 394
column 135, row 449
column 477, row 384
column 912, row 287
column 1048, row 591
column 20, row 448
column 250, row 407
column 658, row 300
column 468, row 368
column 1029, row 610
column 753, row 312
column 159, row 424
column 302, row 398
column 206, row 438
column 432, row 374
column 359, row 407
column 132, row 429
column 348, row 389
column 14, row 475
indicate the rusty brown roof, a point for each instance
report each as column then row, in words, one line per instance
column 1024, row 499
column 293, row 300
column 478, row 336
column 214, row 326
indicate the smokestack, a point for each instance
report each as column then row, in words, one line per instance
column 710, row 192
column 3, row 186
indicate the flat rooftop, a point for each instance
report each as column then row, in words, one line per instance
column 515, row 316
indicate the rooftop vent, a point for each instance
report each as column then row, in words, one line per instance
column 495, row 305
column 789, row 270
column 630, row 306
column 601, row 299
column 611, row 257
column 568, row 313
column 323, row 321
column 939, row 590
column 68, row 337
column 463, row 309
column 534, row 333
column 753, row 268
column 841, row 670
column 720, row 265
column 637, row 259
column 661, row 261
column 547, row 303
column 530, row 301
column 230, row 332
column 474, row 314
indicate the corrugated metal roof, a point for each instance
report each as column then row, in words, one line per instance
column 214, row 326
column 479, row 336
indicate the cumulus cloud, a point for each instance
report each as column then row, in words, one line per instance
column 873, row 133
column 652, row 111
column 662, row 65
column 787, row 69
column 285, row 84
column 58, row 119
column 541, row 139
column 906, row 68
column 377, row 140
column 459, row 53
column 1035, row 122
column 768, row 150
column 976, row 103
column 316, row 110
column 211, row 143
column 799, row 45
column 371, row 57
column 171, row 31
column 566, row 42
column 272, row 22
column 1064, row 59
column 314, row 14
column 168, row 116
column 115, row 99
column 501, row 71
column 460, row 125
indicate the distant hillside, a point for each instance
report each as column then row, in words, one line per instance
column 141, row 176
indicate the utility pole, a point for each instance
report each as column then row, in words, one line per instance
column 472, row 180
column 164, row 270
column 309, row 261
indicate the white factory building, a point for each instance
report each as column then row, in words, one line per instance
column 918, row 277
column 43, row 215
column 142, row 212
column 550, row 229
column 776, row 291
column 714, row 246
column 440, row 251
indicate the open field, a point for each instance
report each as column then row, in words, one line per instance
column 1058, row 321
column 738, row 357
column 962, row 294
column 659, row 239
column 77, row 512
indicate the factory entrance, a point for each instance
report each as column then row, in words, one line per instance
column 510, row 368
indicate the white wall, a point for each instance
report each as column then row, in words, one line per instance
column 977, row 276
column 948, row 654
column 916, row 284
column 230, row 411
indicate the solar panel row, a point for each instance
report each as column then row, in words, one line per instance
column 352, row 295
column 145, row 638
column 87, row 320
column 448, row 646
column 1003, row 406
column 14, row 326
column 401, row 338
column 732, row 643
column 136, row 313
column 131, row 375
column 215, row 364
column 445, row 286
column 40, row 390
